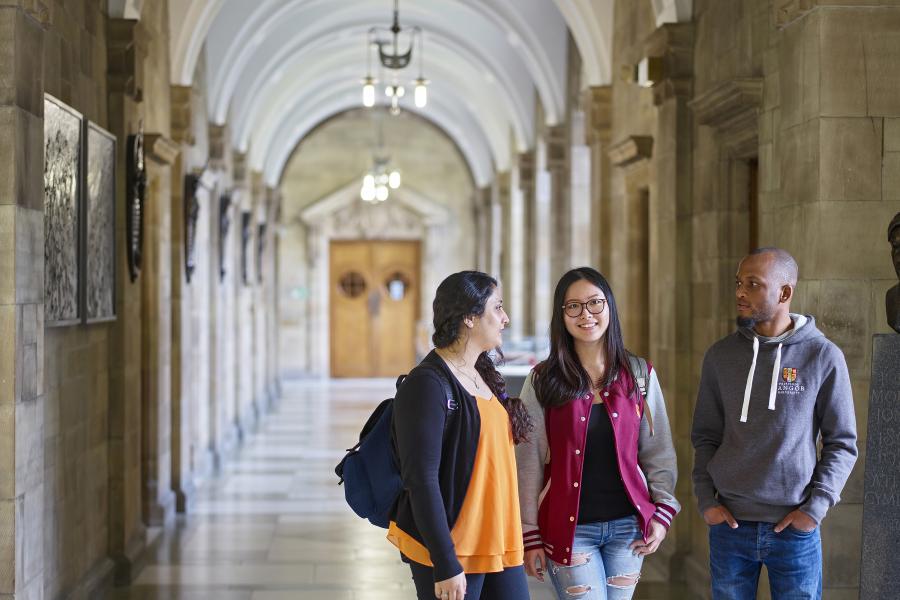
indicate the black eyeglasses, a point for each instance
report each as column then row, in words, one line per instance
column 594, row 306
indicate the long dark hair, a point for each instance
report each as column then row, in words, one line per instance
column 561, row 377
column 465, row 294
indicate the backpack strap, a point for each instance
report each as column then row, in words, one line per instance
column 641, row 372
column 451, row 403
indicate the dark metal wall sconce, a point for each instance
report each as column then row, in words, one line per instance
column 136, row 188
column 224, row 225
column 191, row 214
column 245, row 241
column 260, row 248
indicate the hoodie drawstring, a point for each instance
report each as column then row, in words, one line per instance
column 773, row 389
column 746, row 405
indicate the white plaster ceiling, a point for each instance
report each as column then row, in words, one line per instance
column 274, row 66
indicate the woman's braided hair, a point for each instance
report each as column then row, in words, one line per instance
column 465, row 294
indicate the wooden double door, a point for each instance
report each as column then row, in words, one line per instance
column 374, row 306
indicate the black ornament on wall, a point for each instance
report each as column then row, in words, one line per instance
column 191, row 214
column 260, row 248
column 224, row 225
column 136, row 183
column 245, row 242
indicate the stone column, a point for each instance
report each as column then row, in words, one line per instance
column 526, row 187
column 183, row 336
column 481, row 201
column 22, row 397
column 596, row 103
column 126, row 51
column 156, row 318
column 501, row 208
column 669, row 287
column 560, row 215
column 543, row 210
column 630, row 246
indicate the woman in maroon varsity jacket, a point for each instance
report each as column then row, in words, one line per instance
column 597, row 476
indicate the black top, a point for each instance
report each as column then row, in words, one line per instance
column 436, row 460
column 603, row 496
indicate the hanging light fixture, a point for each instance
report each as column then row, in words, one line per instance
column 391, row 57
column 381, row 178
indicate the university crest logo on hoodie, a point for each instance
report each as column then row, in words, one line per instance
column 788, row 384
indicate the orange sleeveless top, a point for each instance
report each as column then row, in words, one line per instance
column 487, row 534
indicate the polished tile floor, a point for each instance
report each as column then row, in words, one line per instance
column 274, row 525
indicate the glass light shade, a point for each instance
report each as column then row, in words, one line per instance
column 421, row 94
column 369, row 95
column 399, row 90
column 381, row 193
column 367, row 193
column 394, row 180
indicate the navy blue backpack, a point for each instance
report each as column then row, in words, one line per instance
column 370, row 471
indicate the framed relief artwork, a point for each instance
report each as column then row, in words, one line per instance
column 99, row 231
column 62, row 213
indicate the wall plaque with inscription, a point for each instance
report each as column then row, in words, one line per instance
column 880, row 577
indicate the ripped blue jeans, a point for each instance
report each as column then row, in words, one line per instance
column 602, row 566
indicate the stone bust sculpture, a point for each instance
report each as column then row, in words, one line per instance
column 892, row 302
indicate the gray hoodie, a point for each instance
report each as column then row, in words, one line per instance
column 761, row 406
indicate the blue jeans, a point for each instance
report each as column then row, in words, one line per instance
column 508, row 584
column 792, row 558
column 602, row 566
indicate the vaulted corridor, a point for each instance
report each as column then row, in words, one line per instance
column 220, row 218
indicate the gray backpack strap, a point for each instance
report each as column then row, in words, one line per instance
column 641, row 372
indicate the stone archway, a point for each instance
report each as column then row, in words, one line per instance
column 406, row 215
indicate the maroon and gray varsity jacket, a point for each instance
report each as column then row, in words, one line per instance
column 550, row 463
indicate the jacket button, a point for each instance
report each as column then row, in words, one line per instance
column 575, row 484
column 606, row 393
column 566, row 560
column 577, row 451
column 582, row 418
column 571, row 518
column 587, row 397
column 568, row 549
column 615, row 415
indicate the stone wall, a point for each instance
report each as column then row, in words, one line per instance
column 105, row 422
column 76, row 358
column 802, row 95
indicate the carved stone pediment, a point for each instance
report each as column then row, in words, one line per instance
column 384, row 220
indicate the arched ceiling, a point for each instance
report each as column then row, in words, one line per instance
column 275, row 66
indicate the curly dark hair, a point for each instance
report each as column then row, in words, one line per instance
column 465, row 294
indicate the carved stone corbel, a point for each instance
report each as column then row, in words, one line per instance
column 631, row 151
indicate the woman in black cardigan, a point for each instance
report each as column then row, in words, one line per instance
column 454, row 521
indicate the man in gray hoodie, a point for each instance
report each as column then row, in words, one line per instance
column 767, row 392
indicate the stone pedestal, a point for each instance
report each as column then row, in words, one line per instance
column 880, row 573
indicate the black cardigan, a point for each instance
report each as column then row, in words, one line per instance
column 436, row 461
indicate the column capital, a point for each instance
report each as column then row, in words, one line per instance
column 526, row 172
column 218, row 145
column 180, row 98
column 596, row 102
column 126, row 50
column 674, row 44
column 557, row 150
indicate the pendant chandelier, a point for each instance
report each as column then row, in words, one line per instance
column 391, row 57
column 382, row 177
